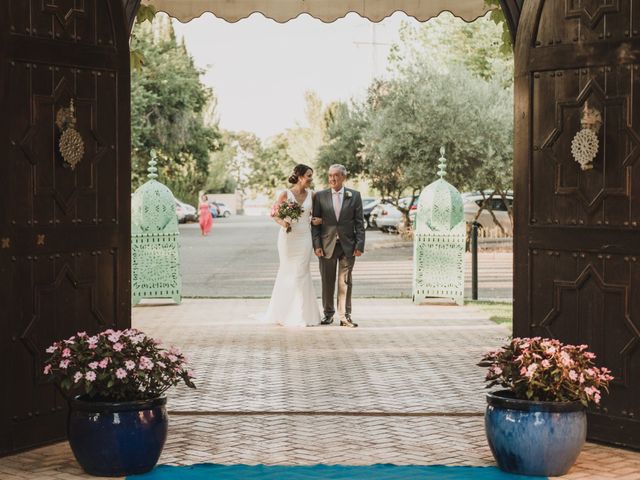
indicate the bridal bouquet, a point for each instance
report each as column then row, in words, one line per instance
column 289, row 211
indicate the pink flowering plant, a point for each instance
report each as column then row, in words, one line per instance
column 122, row 365
column 544, row 369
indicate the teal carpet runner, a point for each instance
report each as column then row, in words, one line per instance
column 326, row 472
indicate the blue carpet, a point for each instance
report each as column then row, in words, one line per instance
column 329, row 472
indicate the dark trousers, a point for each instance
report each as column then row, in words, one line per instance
column 344, row 266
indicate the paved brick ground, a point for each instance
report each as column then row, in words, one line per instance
column 393, row 363
column 402, row 389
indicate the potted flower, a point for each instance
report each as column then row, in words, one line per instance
column 538, row 425
column 117, row 379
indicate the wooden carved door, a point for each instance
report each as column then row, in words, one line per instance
column 577, row 246
column 64, row 230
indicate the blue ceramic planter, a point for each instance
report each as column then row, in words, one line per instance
column 117, row 439
column 534, row 438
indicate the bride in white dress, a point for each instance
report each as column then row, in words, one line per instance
column 293, row 301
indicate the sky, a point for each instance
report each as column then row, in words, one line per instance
column 259, row 69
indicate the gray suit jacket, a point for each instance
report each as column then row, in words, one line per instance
column 349, row 227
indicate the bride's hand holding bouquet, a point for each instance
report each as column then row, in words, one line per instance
column 287, row 213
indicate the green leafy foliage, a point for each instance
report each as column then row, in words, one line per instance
column 171, row 112
column 230, row 167
column 270, row 169
column 346, row 124
column 145, row 13
column 451, row 86
column 305, row 139
column 497, row 16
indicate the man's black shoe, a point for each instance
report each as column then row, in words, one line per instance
column 326, row 321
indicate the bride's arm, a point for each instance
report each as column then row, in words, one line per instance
column 315, row 219
column 281, row 199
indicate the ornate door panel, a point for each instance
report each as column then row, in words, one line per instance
column 64, row 231
column 577, row 246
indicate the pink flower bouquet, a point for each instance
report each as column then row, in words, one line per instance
column 114, row 365
column 544, row 369
column 289, row 211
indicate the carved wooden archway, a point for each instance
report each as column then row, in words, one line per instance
column 64, row 234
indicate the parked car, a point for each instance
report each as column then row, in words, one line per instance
column 185, row 212
column 219, row 209
column 473, row 202
column 375, row 213
column 387, row 217
column 224, row 210
column 368, row 204
column 213, row 207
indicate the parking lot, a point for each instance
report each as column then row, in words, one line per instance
column 240, row 259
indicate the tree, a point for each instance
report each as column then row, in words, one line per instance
column 447, row 41
column 219, row 179
column 346, row 124
column 471, row 118
column 451, row 86
column 305, row 140
column 270, row 169
column 230, row 167
column 169, row 107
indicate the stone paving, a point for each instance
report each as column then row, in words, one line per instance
column 393, row 363
column 401, row 389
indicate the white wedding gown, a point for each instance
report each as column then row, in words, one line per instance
column 293, row 301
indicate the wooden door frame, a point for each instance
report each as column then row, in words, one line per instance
column 511, row 8
column 521, row 153
column 5, row 296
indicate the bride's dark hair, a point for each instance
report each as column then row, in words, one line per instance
column 299, row 171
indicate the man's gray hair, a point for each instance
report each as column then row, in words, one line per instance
column 341, row 168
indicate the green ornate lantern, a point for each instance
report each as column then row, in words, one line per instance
column 439, row 241
column 155, row 262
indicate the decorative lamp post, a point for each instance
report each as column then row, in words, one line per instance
column 439, row 241
column 155, row 261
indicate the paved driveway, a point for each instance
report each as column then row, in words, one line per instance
column 240, row 259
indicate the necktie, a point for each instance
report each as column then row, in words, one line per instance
column 336, row 204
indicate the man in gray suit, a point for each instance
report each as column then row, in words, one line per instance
column 337, row 241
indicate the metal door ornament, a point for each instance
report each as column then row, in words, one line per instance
column 585, row 144
column 70, row 144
